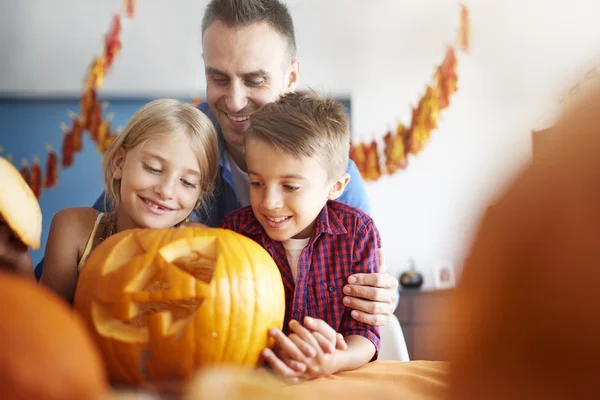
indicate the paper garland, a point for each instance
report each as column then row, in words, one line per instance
column 371, row 162
column 404, row 141
column 91, row 118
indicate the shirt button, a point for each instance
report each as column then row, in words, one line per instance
column 331, row 289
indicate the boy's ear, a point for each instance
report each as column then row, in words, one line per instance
column 117, row 163
column 338, row 186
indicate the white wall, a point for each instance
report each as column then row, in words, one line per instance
column 382, row 53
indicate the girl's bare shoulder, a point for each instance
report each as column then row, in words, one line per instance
column 77, row 221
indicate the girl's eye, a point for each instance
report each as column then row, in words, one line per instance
column 255, row 184
column 188, row 184
column 291, row 188
column 150, row 169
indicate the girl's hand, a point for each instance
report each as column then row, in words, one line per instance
column 14, row 255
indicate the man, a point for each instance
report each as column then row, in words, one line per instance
column 250, row 60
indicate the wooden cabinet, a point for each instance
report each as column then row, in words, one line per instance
column 421, row 316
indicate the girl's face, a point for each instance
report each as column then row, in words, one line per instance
column 160, row 182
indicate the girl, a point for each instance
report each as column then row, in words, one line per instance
column 161, row 168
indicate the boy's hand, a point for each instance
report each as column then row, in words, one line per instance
column 305, row 352
column 286, row 358
column 324, row 340
column 14, row 255
column 373, row 296
column 327, row 338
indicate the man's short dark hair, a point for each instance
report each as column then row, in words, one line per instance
column 235, row 13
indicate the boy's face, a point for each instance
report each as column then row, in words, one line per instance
column 287, row 193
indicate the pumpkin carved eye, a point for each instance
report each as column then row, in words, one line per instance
column 162, row 303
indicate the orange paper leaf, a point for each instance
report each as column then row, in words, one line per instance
column 463, row 40
column 51, row 178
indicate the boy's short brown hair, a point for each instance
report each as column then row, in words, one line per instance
column 303, row 124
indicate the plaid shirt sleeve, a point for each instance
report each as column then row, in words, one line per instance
column 364, row 260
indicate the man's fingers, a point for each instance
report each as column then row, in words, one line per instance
column 383, row 281
column 370, row 293
column 368, row 306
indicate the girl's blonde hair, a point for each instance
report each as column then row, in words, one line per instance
column 166, row 117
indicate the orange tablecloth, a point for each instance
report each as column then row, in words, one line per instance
column 416, row 380
column 382, row 380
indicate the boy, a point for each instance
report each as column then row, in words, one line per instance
column 297, row 152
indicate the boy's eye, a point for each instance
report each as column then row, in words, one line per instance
column 291, row 188
column 150, row 169
column 255, row 184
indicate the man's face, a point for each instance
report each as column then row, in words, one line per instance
column 246, row 67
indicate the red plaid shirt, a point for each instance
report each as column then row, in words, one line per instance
column 344, row 242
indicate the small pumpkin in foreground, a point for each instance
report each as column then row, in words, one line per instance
column 46, row 352
column 164, row 302
column 19, row 207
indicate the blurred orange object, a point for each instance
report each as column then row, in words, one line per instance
column 45, row 350
column 526, row 322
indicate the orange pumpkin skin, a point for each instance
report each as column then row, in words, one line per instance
column 158, row 316
column 46, row 352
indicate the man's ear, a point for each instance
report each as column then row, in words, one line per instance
column 293, row 75
column 117, row 163
column 338, row 186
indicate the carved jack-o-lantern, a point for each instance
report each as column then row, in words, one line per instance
column 164, row 302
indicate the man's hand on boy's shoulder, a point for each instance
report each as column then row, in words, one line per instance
column 372, row 296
